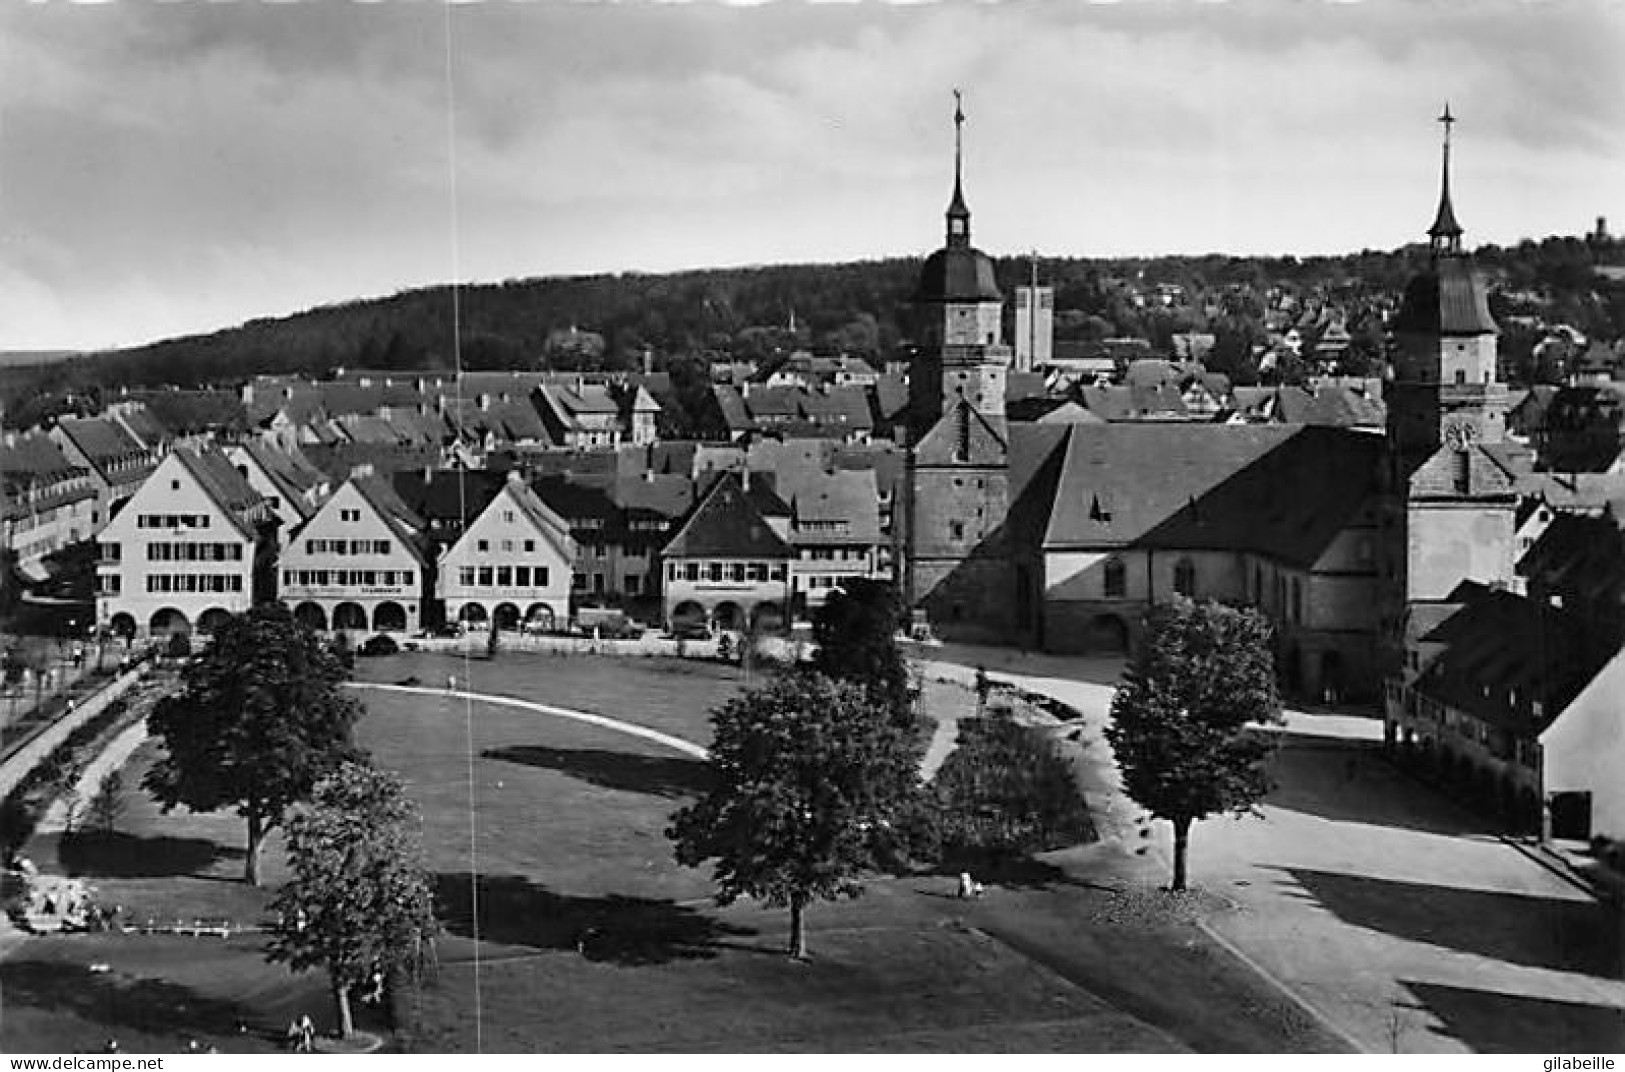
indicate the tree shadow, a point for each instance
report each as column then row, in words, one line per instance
column 93, row 854
column 615, row 929
column 1542, row 932
column 1353, row 781
column 153, row 1006
column 1489, row 1022
column 661, row 776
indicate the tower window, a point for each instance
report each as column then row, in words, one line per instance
column 1461, row 377
column 956, row 530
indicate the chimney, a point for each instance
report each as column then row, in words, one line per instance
column 648, row 361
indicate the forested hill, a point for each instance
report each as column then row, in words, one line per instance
column 686, row 318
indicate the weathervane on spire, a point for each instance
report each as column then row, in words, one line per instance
column 1445, row 234
column 959, row 131
column 958, row 213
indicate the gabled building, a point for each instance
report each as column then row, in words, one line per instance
column 728, row 565
column 1501, row 710
column 358, row 564
column 292, row 486
column 511, row 564
column 117, row 464
column 193, row 544
column 1582, row 753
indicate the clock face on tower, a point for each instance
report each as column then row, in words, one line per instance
column 1459, row 434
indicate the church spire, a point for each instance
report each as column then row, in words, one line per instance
column 958, row 212
column 1445, row 234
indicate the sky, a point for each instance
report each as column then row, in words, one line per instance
column 181, row 167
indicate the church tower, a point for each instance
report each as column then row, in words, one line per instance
column 1446, row 385
column 959, row 574
column 1451, row 511
column 959, row 319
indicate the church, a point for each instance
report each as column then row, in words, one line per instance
column 1060, row 537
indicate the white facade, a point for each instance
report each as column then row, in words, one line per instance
column 723, row 591
column 350, row 569
column 173, row 559
column 512, row 564
column 1583, row 750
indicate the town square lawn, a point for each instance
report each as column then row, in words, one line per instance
column 546, row 839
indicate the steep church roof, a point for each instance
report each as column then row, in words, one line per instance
column 1281, row 490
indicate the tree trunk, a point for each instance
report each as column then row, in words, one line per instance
column 256, row 839
column 1182, row 838
column 798, row 928
column 341, row 997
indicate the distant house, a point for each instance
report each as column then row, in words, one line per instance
column 187, row 549
column 840, row 413
column 292, row 486
column 511, row 565
column 584, row 413
column 358, row 565
column 49, row 502
column 1526, row 416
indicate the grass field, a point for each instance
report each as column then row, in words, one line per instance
column 593, row 938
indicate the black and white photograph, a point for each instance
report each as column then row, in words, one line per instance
column 812, row 527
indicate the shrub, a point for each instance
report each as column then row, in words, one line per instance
column 379, row 645
column 1007, row 790
column 179, row 646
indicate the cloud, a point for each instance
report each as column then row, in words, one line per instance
column 227, row 160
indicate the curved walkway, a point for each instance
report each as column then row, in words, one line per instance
column 631, row 729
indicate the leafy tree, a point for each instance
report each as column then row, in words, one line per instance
column 259, row 721
column 808, row 778
column 107, row 806
column 856, row 633
column 1180, row 719
column 359, row 902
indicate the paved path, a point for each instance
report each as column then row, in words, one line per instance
column 1375, row 901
